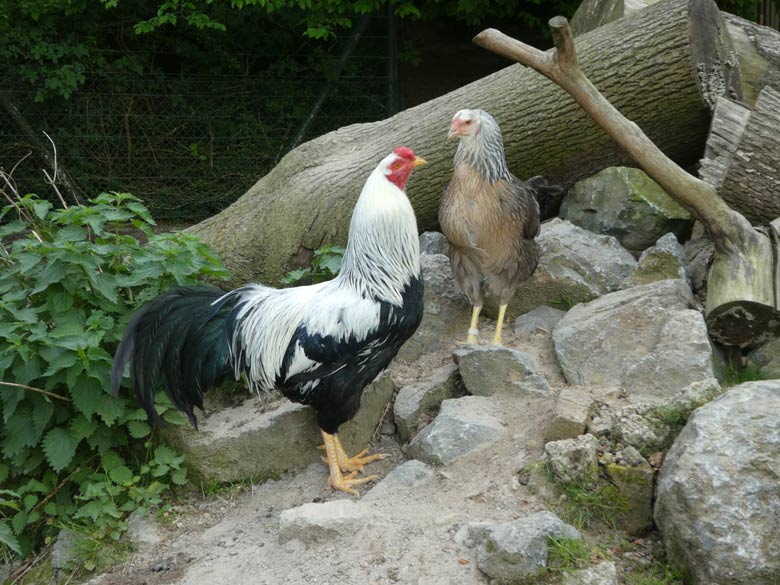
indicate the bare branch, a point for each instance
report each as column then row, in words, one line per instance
column 44, row 392
column 52, row 179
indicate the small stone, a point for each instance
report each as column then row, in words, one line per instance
column 572, row 413
column 573, row 460
column 635, row 485
column 665, row 260
column 514, row 551
column 414, row 401
column 488, row 369
column 542, row 318
column 142, row 531
column 434, row 243
column 312, row 523
column 406, row 476
column 604, row 573
column 65, row 553
column 462, row 426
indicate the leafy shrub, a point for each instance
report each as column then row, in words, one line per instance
column 69, row 279
column 325, row 264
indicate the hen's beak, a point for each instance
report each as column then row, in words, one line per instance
column 453, row 132
column 418, row 161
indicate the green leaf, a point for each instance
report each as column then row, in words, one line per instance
column 59, row 448
column 60, row 360
column 82, row 427
column 138, row 429
column 4, row 470
column 8, row 539
column 12, row 228
column 41, row 208
column 86, row 394
column 109, row 408
column 19, row 433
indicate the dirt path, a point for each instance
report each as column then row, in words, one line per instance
column 408, row 535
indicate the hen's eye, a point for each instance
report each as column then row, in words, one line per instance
column 397, row 164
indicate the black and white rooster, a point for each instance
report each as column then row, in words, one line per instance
column 319, row 344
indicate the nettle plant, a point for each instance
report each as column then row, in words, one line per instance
column 72, row 454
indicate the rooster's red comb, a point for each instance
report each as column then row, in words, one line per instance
column 405, row 152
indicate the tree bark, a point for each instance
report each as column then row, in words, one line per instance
column 592, row 14
column 741, row 158
column 743, row 315
column 663, row 66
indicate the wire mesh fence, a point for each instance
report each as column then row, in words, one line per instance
column 191, row 144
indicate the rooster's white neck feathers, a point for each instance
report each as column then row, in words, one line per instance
column 484, row 150
column 383, row 251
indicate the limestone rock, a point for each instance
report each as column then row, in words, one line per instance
column 242, row 443
column 699, row 251
column 645, row 338
column 718, row 495
column 512, row 552
column 488, row 369
column 416, row 401
column 767, row 359
column 446, row 310
column 541, row 318
column 462, row 426
column 572, row 413
column 575, row 266
column 665, row 260
column 605, row 573
column 142, row 531
column 635, row 485
column 319, row 522
column 65, row 553
column 624, row 202
column 406, row 476
column 573, row 460
column 434, row 243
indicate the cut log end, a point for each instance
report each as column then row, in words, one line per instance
column 743, row 323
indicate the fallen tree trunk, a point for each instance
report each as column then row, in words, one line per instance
column 741, row 253
column 663, row 66
column 741, row 158
column 758, row 48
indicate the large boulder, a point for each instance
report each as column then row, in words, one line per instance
column 766, row 359
column 624, row 202
column 575, row 265
column 718, row 494
column 446, row 310
column 258, row 441
column 646, row 338
column 573, row 461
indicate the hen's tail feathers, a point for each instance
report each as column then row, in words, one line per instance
column 182, row 335
column 548, row 196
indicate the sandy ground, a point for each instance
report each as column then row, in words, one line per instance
column 408, row 536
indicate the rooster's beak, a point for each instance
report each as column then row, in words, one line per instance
column 418, row 161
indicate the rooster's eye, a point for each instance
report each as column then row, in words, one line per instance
column 397, row 164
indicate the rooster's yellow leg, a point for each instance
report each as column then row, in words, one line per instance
column 499, row 325
column 356, row 462
column 337, row 480
column 473, row 331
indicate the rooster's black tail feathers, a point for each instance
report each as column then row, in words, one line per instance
column 182, row 335
column 548, row 196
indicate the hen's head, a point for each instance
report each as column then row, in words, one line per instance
column 467, row 123
column 399, row 164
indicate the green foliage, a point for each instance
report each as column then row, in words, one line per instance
column 567, row 554
column 654, row 574
column 325, row 264
column 735, row 375
column 584, row 504
column 68, row 280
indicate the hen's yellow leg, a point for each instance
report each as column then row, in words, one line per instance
column 499, row 325
column 337, row 480
column 473, row 331
column 356, row 462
